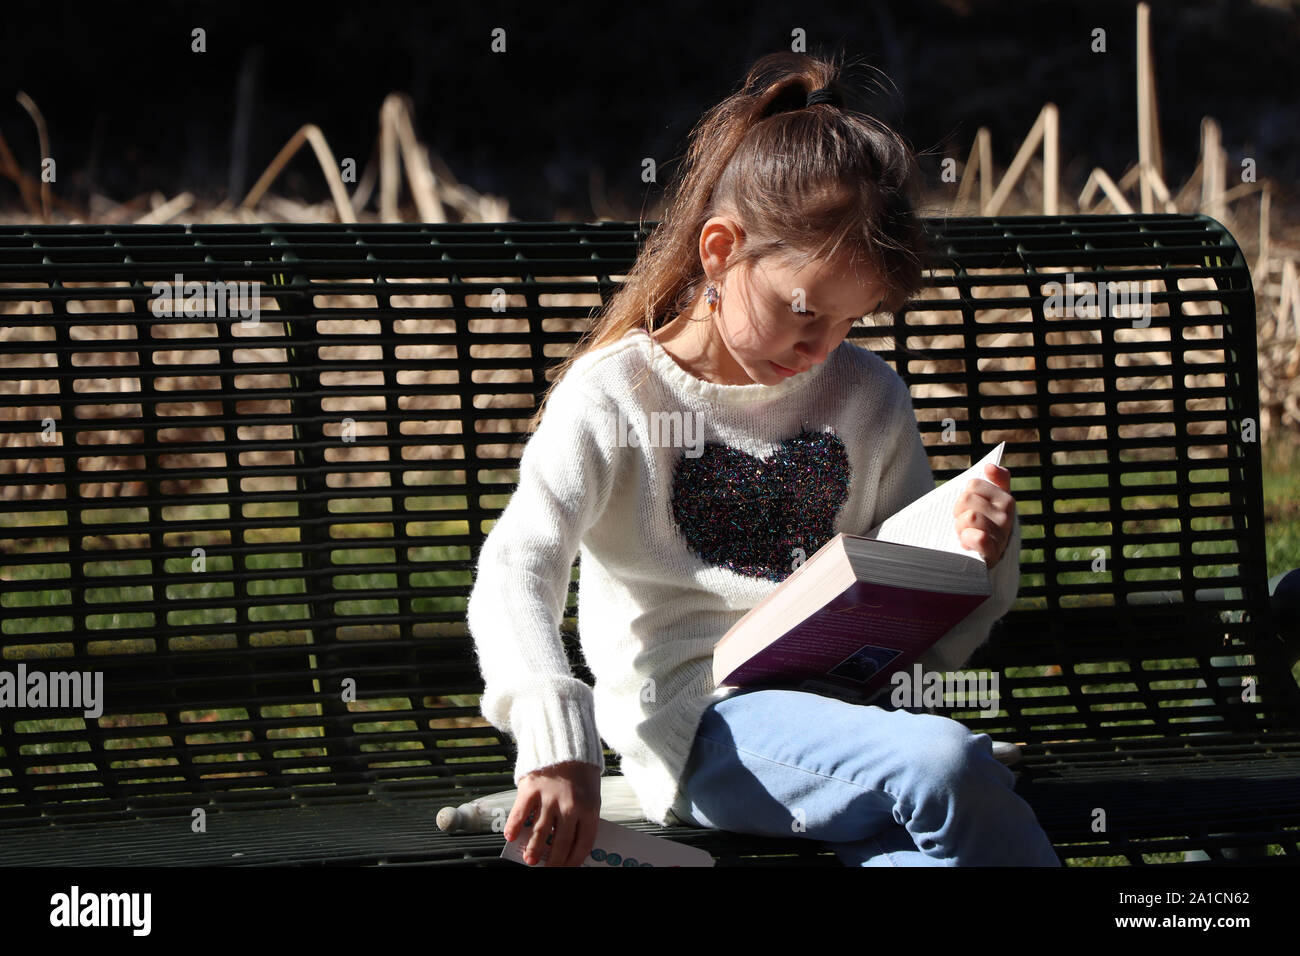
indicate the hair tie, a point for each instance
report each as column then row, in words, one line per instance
column 823, row 95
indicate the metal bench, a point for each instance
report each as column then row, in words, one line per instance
column 262, row 533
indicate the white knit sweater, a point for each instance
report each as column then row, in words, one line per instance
column 676, row 540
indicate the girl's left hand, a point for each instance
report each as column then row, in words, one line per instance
column 985, row 513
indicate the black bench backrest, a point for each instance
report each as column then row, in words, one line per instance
column 245, row 526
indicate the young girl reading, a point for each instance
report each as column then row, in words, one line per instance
column 712, row 430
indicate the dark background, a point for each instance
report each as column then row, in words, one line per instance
column 585, row 91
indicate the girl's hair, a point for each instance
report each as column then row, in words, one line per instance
column 805, row 182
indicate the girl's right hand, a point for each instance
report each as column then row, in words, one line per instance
column 564, row 798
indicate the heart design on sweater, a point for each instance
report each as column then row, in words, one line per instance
column 751, row 514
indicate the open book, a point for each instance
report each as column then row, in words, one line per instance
column 862, row 606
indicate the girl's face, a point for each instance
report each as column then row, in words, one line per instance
column 776, row 321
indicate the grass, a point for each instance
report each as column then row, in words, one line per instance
column 1282, row 503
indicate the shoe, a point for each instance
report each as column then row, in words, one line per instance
column 1006, row 752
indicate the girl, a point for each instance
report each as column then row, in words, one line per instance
column 711, row 431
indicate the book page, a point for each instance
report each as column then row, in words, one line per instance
column 618, row 845
column 928, row 522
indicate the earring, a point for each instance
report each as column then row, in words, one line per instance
column 711, row 296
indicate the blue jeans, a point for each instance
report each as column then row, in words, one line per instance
column 880, row 787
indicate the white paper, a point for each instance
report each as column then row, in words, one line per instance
column 929, row 522
column 620, row 846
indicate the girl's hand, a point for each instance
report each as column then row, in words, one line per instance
column 985, row 513
column 564, row 798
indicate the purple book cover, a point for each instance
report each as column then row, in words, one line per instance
column 859, row 639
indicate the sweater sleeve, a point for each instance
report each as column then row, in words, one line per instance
column 517, row 602
column 906, row 476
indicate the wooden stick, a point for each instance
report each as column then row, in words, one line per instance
column 369, row 177
column 1130, row 177
column 1144, row 99
column 1291, row 302
column 172, row 207
column 978, row 165
column 1020, row 162
column 1097, row 178
column 389, row 175
column 1148, row 134
column 1241, row 189
column 1206, row 162
column 1161, row 191
column 1212, row 169
column 1264, row 203
column 1193, row 182
column 123, row 211
column 1153, row 107
column 1051, row 158
column 309, row 133
column 43, row 137
column 418, row 172
column 9, row 167
column 1268, row 324
column 986, row 172
column 1291, row 295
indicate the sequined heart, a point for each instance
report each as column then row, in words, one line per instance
column 755, row 515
